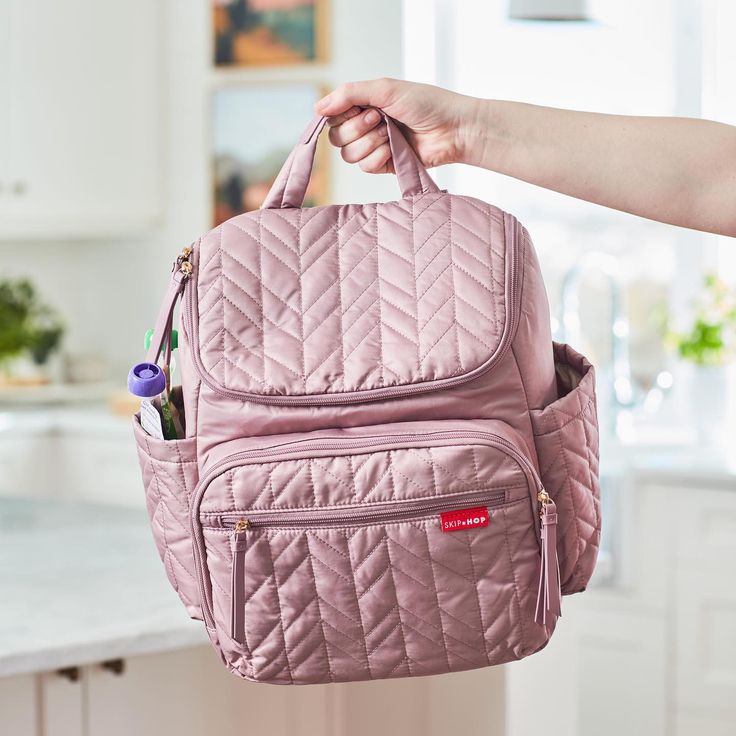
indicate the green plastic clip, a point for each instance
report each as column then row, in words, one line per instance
column 149, row 336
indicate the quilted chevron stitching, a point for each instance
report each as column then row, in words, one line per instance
column 516, row 582
column 261, row 287
column 221, row 302
column 340, row 300
column 319, row 608
column 277, row 590
column 423, row 455
column 396, row 597
column 164, row 526
column 393, row 568
column 574, row 521
column 477, row 593
column 248, row 295
column 380, row 304
column 274, row 374
column 301, row 301
column 577, row 446
column 445, row 637
column 159, row 514
column 419, row 367
column 432, row 198
column 491, row 264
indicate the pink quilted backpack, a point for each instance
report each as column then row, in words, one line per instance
column 388, row 468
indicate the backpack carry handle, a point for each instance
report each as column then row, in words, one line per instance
column 290, row 186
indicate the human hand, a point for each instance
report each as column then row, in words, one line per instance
column 437, row 123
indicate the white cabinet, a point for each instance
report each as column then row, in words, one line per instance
column 656, row 652
column 61, row 705
column 80, row 91
column 705, row 605
column 622, row 681
column 18, row 706
column 187, row 693
column 190, row 693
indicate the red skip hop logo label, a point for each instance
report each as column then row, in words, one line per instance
column 453, row 521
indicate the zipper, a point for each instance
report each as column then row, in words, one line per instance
column 385, row 512
column 287, row 450
column 511, row 229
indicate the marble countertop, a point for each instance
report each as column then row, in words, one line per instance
column 81, row 584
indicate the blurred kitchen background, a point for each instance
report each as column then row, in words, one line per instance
column 127, row 129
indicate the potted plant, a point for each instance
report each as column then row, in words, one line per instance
column 707, row 351
column 30, row 332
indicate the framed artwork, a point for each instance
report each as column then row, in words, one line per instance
column 257, row 33
column 254, row 127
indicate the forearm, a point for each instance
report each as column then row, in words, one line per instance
column 675, row 170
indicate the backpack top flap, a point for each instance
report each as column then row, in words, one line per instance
column 346, row 303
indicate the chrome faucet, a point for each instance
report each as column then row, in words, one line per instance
column 568, row 328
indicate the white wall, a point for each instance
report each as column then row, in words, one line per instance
column 108, row 292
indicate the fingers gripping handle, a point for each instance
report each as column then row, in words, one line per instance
column 290, row 186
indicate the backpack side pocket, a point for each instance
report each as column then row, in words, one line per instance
column 566, row 438
column 170, row 473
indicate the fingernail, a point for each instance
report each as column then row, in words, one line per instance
column 323, row 103
column 371, row 117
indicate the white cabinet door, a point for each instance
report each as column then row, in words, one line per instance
column 190, row 693
column 61, row 704
column 80, row 98
column 623, row 687
column 19, row 712
column 705, row 633
column 471, row 703
column 703, row 724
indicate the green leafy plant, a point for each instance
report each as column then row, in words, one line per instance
column 712, row 338
column 26, row 324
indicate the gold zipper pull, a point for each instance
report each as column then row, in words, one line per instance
column 543, row 498
column 183, row 262
column 242, row 525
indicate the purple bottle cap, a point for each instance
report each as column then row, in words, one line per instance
column 146, row 380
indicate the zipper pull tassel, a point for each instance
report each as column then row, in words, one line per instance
column 161, row 338
column 237, row 582
column 549, row 592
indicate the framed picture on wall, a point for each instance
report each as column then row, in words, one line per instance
column 257, row 33
column 254, row 127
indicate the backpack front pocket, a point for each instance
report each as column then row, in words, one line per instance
column 396, row 554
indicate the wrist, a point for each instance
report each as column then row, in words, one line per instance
column 478, row 133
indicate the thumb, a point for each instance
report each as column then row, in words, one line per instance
column 373, row 93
